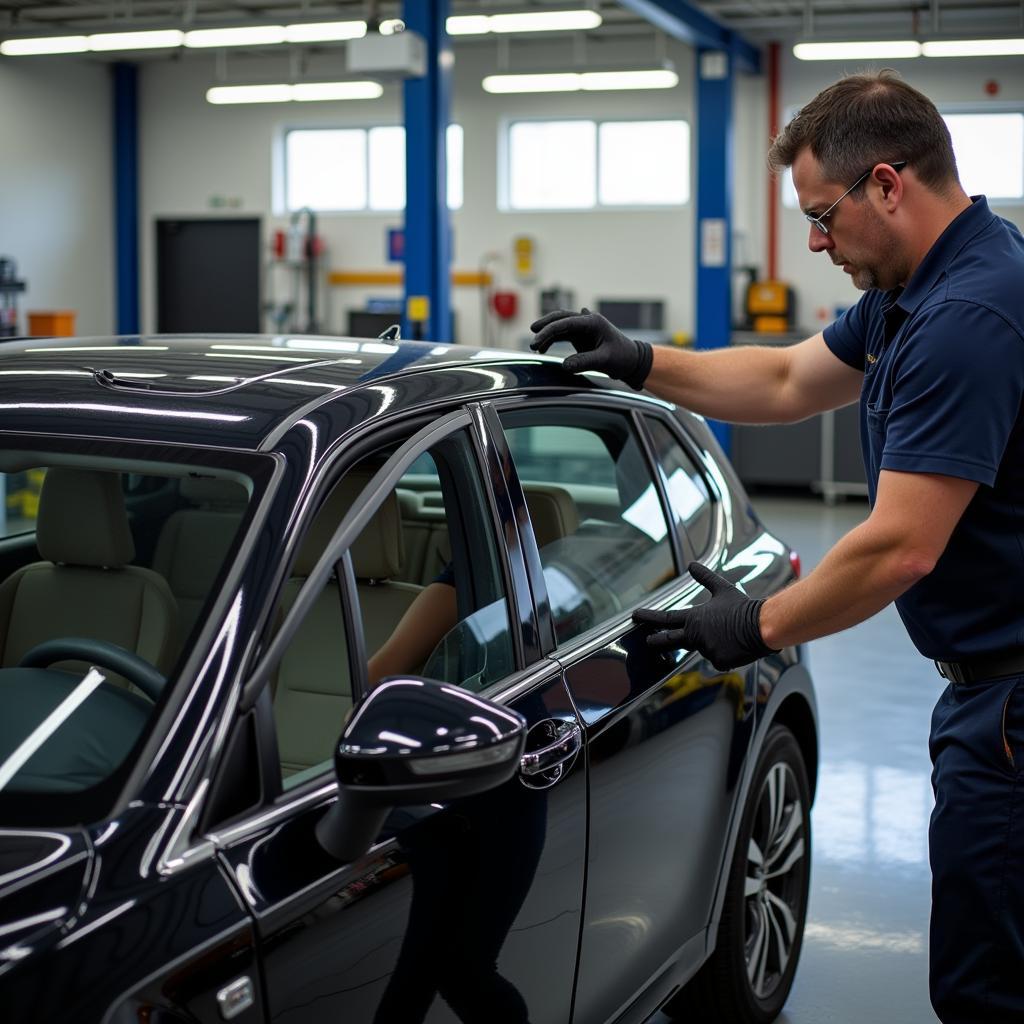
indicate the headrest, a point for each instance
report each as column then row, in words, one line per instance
column 553, row 512
column 82, row 519
column 377, row 553
column 213, row 493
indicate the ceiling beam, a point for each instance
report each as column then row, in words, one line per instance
column 684, row 20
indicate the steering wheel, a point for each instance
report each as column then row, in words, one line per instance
column 106, row 655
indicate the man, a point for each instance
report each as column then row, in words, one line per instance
column 934, row 351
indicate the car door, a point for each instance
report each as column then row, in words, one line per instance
column 463, row 912
column 665, row 734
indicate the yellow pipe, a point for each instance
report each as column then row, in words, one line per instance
column 474, row 278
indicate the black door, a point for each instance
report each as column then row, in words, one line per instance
column 208, row 275
column 467, row 912
column 666, row 734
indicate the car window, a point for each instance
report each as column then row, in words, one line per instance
column 431, row 597
column 96, row 613
column 596, row 514
column 20, row 504
column 686, row 487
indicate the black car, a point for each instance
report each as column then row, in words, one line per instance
column 320, row 698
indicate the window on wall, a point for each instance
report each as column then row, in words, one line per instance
column 344, row 169
column 583, row 165
column 989, row 150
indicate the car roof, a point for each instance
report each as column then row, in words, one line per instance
column 234, row 390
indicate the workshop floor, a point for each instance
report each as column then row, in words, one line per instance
column 865, row 955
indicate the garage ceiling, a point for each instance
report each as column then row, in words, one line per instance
column 758, row 20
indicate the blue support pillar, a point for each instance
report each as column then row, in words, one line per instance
column 126, row 198
column 714, row 151
column 427, row 224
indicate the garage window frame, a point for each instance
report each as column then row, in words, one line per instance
column 282, row 170
column 505, row 183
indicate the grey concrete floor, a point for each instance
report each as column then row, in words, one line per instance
column 865, row 955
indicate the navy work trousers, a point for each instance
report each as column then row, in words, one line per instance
column 976, row 842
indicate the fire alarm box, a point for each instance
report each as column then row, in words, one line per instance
column 505, row 305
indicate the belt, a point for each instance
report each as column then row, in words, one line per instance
column 991, row 666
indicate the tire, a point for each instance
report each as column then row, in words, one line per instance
column 749, row 976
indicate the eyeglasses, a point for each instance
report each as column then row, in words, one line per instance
column 819, row 221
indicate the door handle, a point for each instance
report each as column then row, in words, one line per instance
column 565, row 746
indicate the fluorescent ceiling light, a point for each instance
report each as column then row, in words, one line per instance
column 303, row 92
column 249, row 94
column 537, row 21
column 974, row 48
column 325, row 31
column 53, row 44
column 586, row 81
column 306, row 92
column 658, row 78
column 560, row 82
column 883, row 49
column 468, row 25
column 390, row 26
column 545, row 21
column 136, row 40
column 250, row 35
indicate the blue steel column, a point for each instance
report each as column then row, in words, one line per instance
column 126, row 198
column 714, row 151
column 427, row 225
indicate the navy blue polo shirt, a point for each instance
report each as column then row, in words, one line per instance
column 943, row 392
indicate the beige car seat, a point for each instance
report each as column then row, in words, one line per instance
column 552, row 511
column 314, row 690
column 194, row 542
column 84, row 587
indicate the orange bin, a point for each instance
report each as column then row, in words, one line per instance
column 52, row 324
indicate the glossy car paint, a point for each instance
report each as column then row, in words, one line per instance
column 150, row 910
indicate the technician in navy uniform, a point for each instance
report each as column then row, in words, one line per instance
column 934, row 353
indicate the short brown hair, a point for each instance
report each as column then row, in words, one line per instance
column 866, row 119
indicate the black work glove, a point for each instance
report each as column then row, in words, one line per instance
column 599, row 345
column 726, row 629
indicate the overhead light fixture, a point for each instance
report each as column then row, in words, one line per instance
column 974, row 48
column 157, row 40
column 891, row 49
column 529, row 21
column 250, row 35
column 582, row 81
column 53, row 44
column 325, row 31
column 300, row 92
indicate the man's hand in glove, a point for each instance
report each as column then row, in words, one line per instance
column 599, row 345
column 726, row 629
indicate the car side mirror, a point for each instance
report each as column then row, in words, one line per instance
column 414, row 741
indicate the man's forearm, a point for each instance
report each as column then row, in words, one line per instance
column 737, row 384
column 863, row 573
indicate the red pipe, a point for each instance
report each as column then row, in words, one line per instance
column 773, row 183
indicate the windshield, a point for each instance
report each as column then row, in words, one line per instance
column 107, row 568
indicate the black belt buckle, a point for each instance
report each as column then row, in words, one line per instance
column 955, row 673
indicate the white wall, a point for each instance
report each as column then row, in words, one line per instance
column 192, row 151
column 56, row 186
column 820, row 286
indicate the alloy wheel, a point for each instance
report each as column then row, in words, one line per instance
column 777, row 864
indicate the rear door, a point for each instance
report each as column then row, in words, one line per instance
column 666, row 734
column 467, row 912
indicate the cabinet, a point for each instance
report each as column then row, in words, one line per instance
column 822, row 453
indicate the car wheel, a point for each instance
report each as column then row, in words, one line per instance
column 749, row 976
